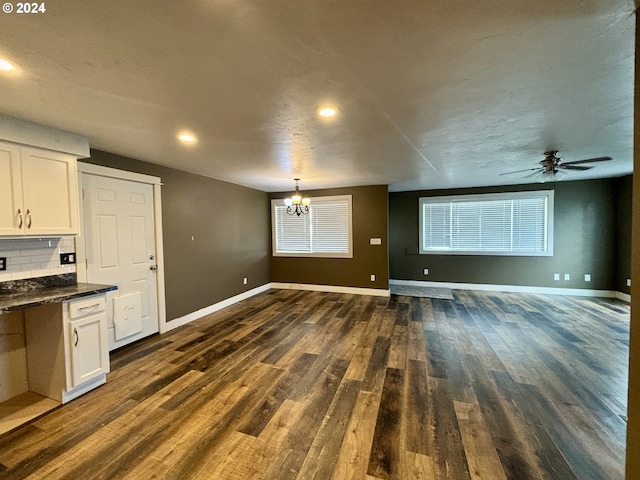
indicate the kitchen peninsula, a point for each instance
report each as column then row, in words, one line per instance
column 66, row 344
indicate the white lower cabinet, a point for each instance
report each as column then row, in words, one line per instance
column 88, row 349
column 67, row 348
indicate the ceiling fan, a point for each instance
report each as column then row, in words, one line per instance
column 552, row 164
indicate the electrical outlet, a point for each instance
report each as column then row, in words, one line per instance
column 426, row 271
column 244, row 280
column 373, row 278
column 3, row 263
column 587, row 277
column 556, row 276
column 567, row 276
column 628, row 282
column 67, row 258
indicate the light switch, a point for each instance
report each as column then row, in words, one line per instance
column 375, row 241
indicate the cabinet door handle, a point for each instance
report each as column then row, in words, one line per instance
column 75, row 332
column 20, row 217
column 29, row 218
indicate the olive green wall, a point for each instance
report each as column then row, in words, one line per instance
column 584, row 241
column 624, row 194
column 369, row 220
column 230, row 226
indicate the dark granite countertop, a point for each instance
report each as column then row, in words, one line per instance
column 18, row 295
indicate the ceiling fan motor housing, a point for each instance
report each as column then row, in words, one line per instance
column 550, row 162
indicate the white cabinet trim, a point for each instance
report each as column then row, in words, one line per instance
column 34, row 135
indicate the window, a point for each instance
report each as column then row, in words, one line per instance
column 324, row 232
column 517, row 223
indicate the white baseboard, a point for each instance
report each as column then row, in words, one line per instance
column 625, row 297
column 582, row 292
column 378, row 292
column 190, row 317
column 84, row 388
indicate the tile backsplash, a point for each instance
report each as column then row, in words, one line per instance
column 35, row 257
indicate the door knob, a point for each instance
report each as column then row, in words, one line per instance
column 153, row 267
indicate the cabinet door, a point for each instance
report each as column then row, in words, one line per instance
column 11, row 209
column 89, row 348
column 50, row 191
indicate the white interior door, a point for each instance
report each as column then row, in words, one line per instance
column 119, row 233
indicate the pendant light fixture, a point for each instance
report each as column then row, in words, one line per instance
column 296, row 205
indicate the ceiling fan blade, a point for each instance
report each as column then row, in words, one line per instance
column 534, row 174
column 518, row 171
column 572, row 167
column 588, row 160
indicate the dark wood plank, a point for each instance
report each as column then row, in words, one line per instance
column 514, row 453
column 260, row 416
column 302, row 435
column 418, row 411
column 551, row 459
column 446, row 440
column 324, row 451
column 384, row 461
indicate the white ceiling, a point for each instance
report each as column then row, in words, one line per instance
column 431, row 93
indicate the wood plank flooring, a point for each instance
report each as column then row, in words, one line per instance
column 311, row 385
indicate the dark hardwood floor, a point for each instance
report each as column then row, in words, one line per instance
column 312, row 385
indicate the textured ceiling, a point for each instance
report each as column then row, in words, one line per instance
column 431, row 94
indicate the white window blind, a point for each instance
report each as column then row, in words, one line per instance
column 325, row 232
column 519, row 223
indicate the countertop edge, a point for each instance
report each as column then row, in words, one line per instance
column 45, row 296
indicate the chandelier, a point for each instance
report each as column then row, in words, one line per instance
column 296, row 205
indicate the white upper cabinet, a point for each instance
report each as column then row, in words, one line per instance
column 10, row 190
column 38, row 192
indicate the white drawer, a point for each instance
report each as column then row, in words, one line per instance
column 87, row 306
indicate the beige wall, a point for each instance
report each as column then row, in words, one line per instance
column 369, row 221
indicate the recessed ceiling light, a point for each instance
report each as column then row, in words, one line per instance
column 187, row 138
column 6, row 66
column 327, row 112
